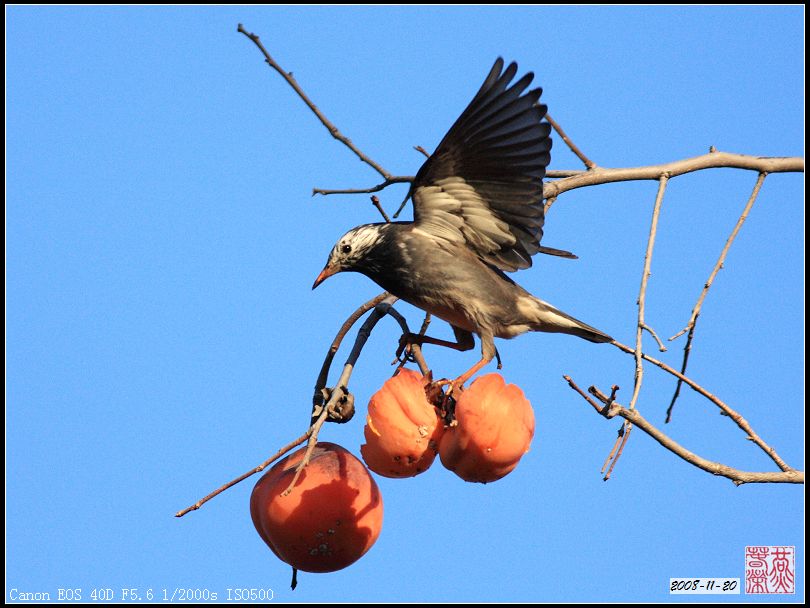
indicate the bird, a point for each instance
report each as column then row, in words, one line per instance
column 478, row 214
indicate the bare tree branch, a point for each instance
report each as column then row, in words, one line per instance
column 642, row 293
column 341, row 390
column 376, row 202
column 320, row 384
column 425, row 324
column 579, row 153
column 402, row 205
column 690, row 326
column 333, row 130
column 402, row 179
column 615, row 451
column 651, row 331
column 253, row 471
column 641, row 324
column 573, row 179
column 713, row 160
column 570, row 179
column 687, row 349
column 611, row 409
column 741, row 422
column 422, row 151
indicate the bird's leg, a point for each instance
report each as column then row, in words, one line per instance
column 464, row 341
column 456, row 384
column 488, row 352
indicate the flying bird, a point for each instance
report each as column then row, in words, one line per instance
column 478, row 213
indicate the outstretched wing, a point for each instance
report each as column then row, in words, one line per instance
column 484, row 183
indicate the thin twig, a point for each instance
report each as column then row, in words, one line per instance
column 244, row 476
column 651, row 331
column 416, row 349
column 614, row 453
column 720, row 261
column 687, row 349
column 624, row 434
column 312, row 436
column 402, row 205
column 741, row 422
column 638, row 377
column 422, row 150
column 585, row 396
column 376, row 202
column 397, row 179
column 549, row 202
column 333, row 130
column 642, row 293
column 425, row 324
column 601, row 175
column 607, row 401
column 739, row 477
column 690, row 326
column 580, row 154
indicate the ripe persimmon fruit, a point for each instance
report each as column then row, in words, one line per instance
column 402, row 428
column 329, row 520
column 494, row 428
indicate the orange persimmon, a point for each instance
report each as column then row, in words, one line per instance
column 495, row 426
column 330, row 519
column 402, row 428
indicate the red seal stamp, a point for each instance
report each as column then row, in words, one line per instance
column 770, row 570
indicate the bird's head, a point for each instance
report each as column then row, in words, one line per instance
column 352, row 251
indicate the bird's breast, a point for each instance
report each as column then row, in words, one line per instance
column 447, row 280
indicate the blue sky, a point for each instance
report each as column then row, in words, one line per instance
column 162, row 337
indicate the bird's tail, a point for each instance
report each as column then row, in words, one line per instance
column 550, row 319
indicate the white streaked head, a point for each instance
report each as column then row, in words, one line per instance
column 350, row 250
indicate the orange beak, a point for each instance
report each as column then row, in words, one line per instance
column 327, row 272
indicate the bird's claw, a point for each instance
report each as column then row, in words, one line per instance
column 404, row 352
column 455, row 388
column 434, row 392
column 404, row 343
column 445, row 399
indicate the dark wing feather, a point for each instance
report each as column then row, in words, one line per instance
column 484, row 183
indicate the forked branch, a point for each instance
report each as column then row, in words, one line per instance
column 610, row 409
column 712, row 160
column 641, row 325
column 735, row 416
column 335, row 406
column 690, row 326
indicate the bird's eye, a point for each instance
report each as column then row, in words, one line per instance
column 346, row 248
